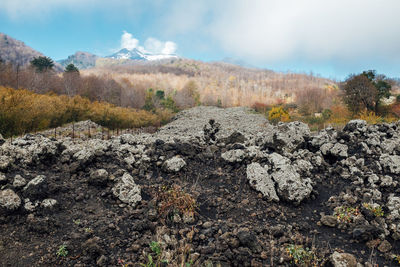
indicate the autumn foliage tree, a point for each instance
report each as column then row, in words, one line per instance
column 359, row 94
column 382, row 85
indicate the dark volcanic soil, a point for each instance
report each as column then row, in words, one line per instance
column 233, row 224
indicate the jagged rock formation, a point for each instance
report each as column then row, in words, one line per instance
column 258, row 189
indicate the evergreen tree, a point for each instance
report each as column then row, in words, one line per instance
column 71, row 68
column 42, row 64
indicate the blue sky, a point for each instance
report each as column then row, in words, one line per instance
column 332, row 38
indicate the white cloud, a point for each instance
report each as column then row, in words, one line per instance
column 169, row 48
column 128, row 42
column 156, row 46
column 306, row 30
column 151, row 45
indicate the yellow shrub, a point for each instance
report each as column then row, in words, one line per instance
column 277, row 114
column 370, row 117
column 23, row 111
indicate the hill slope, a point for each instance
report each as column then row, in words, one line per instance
column 17, row 52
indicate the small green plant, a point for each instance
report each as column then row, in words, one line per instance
column 62, row 251
column 77, row 221
column 346, row 214
column 376, row 210
column 155, row 247
column 88, row 230
column 157, row 250
column 150, row 262
column 302, row 256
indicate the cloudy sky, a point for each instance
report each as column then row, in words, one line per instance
column 332, row 38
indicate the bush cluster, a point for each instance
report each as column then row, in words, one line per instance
column 22, row 111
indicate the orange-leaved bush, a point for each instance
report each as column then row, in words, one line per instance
column 277, row 114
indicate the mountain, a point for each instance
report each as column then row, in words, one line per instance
column 18, row 53
column 82, row 60
column 135, row 54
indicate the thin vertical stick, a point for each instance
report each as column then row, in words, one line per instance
column 89, row 131
column 55, row 133
column 73, row 131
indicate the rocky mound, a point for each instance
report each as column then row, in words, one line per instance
column 213, row 187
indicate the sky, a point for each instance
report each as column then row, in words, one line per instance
column 330, row 38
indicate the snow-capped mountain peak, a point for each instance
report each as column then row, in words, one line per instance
column 136, row 54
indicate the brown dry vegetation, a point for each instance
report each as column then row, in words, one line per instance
column 216, row 83
column 22, row 111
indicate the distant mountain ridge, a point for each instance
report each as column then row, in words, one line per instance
column 82, row 60
column 18, row 53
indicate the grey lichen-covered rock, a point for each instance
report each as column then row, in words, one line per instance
column 98, row 177
column 327, row 135
column 9, row 200
column 389, row 146
column 235, row 155
column 355, row 125
column 387, row 181
column 329, row 220
column 19, row 181
column 337, row 149
column 174, row 164
column 289, row 184
column 29, row 206
column 343, row 260
column 260, row 180
column 127, row 191
column 30, row 149
column 82, row 153
column 189, row 124
column 48, row 203
column 254, row 152
column 393, row 205
column 36, row 188
column 5, row 162
column 391, row 163
column 287, row 137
